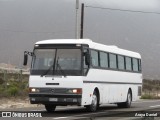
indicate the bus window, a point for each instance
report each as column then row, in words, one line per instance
column 94, row 57
column 103, row 60
column 139, row 65
column 112, row 61
column 85, row 66
column 135, row 64
column 121, row 62
column 43, row 60
column 128, row 63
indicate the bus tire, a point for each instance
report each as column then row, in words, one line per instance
column 126, row 104
column 94, row 105
column 50, row 108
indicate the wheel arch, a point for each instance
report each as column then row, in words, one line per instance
column 98, row 94
column 130, row 90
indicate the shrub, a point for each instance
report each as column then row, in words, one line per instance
column 12, row 91
column 1, row 81
column 149, row 96
column 1, row 88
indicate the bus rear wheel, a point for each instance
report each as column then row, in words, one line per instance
column 94, row 105
column 50, row 108
column 126, row 104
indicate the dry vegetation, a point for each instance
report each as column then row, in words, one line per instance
column 151, row 89
column 13, row 85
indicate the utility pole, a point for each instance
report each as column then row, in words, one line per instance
column 82, row 21
column 77, row 21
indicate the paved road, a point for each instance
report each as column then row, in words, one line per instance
column 105, row 112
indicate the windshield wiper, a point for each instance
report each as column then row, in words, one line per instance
column 52, row 66
column 45, row 73
column 60, row 68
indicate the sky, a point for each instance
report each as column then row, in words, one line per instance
column 128, row 4
column 24, row 22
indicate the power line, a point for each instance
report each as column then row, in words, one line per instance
column 123, row 10
column 21, row 31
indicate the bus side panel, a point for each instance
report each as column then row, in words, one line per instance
column 114, row 93
column 114, row 85
column 88, row 89
column 86, row 96
column 135, row 92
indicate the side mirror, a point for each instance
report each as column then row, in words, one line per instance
column 25, row 59
column 87, row 58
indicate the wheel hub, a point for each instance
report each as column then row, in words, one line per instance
column 94, row 100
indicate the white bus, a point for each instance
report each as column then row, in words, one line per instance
column 84, row 73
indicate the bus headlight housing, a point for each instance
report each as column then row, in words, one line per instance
column 32, row 90
column 75, row 91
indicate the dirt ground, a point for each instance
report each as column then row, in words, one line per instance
column 15, row 103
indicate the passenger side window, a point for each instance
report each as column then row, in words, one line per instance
column 94, row 57
column 128, row 64
column 103, row 60
column 135, row 64
column 121, row 65
column 112, row 61
column 140, row 67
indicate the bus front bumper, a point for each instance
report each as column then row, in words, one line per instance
column 60, row 99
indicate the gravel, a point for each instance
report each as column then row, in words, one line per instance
column 15, row 103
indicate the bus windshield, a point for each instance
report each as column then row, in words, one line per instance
column 66, row 60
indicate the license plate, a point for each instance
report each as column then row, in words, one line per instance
column 53, row 99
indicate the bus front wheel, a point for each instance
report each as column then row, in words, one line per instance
column 94, row 105
column 50, row 108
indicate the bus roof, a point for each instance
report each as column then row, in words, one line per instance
column 92, row 45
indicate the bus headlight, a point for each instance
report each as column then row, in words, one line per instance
column 33, row 90
column 75, row 91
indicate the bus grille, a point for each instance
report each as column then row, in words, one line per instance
column 53, row 90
